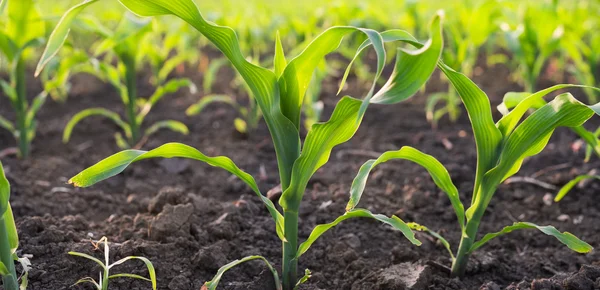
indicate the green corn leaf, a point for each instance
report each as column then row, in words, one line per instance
column 212, row 284
column 130, row 28
column 420, row 228
column 487, row 135
column 8, row 46
column 304, row 279
column 262, row 82
column 436, row 170
column 4, row 191
column 9, row 91
column 116, row 163
column 94, row 112
column 169, row 65
column 36, row 105
column 532, row 135
column 240, row 125
column 394, row 221
column 59, row 34
column 3, row 270
column 521, row 102
column 91, row 258
column 24, row 22
column 172, row 125
column 6, row 124
column 567, row 187
column 88, row 280
column 24, row 281
column 566, row 238
column 317, row 147
column 125, row 275
column 11, row 229
column 412, row 68
column 298, row 73
column 211, row 74
column 279, row 59
column 170, row 87
column 196, row 108
column 151, row 271
column 121, row 143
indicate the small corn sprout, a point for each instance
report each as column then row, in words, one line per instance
column 9, row 241
column 534, row 41
column 18, row 35
column 465, row 36
column 501, row 149
column 105, row 276
column 279, row 93
column 124, row 43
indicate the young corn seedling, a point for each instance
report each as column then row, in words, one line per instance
column 9, row 241
column 534, row 41
column 466, row 35
column 125, row 44
column 583, row 50
column 501, row 149
column 279, row 94
column 21, row 31
column 105, row 276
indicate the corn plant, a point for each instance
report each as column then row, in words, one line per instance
column 21, row 31
column 501, row 149
column 534, row 41
column 9, row 240
column 582, row 49
column 124, row 43
column 105, row 276
column 279, row 94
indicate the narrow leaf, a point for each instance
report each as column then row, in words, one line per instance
column 567, row 187
column 116, row 163
column 172, row 125
column 279, row 58
column 566, row 238
column 94, row 112
column 212, row 284
column 394, row 221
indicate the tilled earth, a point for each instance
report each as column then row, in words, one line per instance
column 190, row 218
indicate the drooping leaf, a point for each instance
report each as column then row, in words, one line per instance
column 149, row 266
column 393, row 221
column 436, row 170
column 116, row 163
column 566, row 238
column 94, row 112
column 59, row 34
column 172, row 125
column 421, row 228
column 196, row 108
column 212, row 284
column 567, row 187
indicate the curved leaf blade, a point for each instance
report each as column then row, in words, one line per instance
column 212, row 284
column 393, row 221
column 116, row 163
column 566, row 238
column 567, row 187
column 436, row 170
column 94, row 112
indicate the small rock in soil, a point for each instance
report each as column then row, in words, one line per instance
column 579, row 281
column 170, row 220
column 490, row 286
column 405, row 276
column 180, row 282
column 210, row 258
column 545, row 284
column 167, row 195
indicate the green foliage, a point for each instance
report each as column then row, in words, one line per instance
column 124, row 43
column 9, row 239
column 105, row 276
column 19, row 34
column 280, row 96
column 501, row 149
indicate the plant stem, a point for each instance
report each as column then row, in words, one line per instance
column 10, row 281
column 131, row 83
column 21, row 110
column 290, row 247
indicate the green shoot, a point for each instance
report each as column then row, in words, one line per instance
column 9, row 240
column 124, row 43
column 280, row 95
column 501, row 149
column 105, row 276
column 19, row 34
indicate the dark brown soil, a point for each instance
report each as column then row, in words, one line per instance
column 190, row 218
